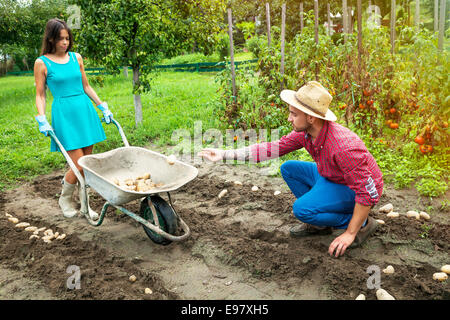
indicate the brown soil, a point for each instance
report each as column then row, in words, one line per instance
column 239, row 247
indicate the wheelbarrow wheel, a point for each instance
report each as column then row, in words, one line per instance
column 167, row 219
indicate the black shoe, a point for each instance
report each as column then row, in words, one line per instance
column 304, row 230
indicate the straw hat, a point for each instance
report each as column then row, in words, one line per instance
column 312, row 99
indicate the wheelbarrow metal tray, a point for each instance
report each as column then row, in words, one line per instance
column 101, row 169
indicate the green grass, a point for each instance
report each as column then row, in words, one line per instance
column 198, row 57
column 176, row 101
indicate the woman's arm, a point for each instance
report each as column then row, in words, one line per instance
column 40, row 74
column 87, row 88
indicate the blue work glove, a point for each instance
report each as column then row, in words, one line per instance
column 107, row 114
column 44, row 126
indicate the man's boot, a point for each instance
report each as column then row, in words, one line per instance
column 304, row 230
column 365, row 232
column 92, row 213
column 65, row 200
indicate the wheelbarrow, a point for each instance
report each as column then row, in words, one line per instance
column 159, row 218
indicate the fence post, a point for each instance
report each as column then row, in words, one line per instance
column 283, row 23
column 268, row 22
column 392, row 26
column 442, row 26
column 230, row 33
column 301, row 17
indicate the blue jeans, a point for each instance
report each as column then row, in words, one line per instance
column 320, row 202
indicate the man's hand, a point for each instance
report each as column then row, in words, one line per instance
column 213, row 155
column 341, row 243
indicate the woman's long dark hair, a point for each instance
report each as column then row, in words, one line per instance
column 51, row 36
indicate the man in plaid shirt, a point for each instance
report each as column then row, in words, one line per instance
column 339, row 189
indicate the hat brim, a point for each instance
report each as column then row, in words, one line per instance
column 288, row 96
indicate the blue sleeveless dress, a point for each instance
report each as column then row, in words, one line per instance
column 74, row 118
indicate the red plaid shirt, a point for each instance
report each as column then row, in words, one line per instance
column 341, row 157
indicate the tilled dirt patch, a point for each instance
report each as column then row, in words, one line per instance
column 104, row 275
column 246, row 231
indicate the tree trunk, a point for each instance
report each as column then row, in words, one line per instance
column 137, row 97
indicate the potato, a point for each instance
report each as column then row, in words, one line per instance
column 255, row 188
column 48, row 232
column 13, row 220
column 223, row 193
column 148, row 291
column 148, row 182
column 22, row 225
column 8, row 215
column 129, row 182
column 171, row 159
column 132, row 278
column 424, row 215
column 393, row 214
column 446, row 269
column 277, row 193
column 31, row 229
column 384, row 295
column 61, row 237
column 48, row 237
column 146, row 176
column 56, row 235
column 380, row 221
column 389, row 270
column 440, row 276
column 413, row 214
column 142, row 188
column 34, row 236
column 47, row 240
column 41, row 229
column 361, row 297
column 238, row 183
column 386, row 208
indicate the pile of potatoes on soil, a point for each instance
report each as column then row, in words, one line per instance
column 142, row 183
column 48, row 235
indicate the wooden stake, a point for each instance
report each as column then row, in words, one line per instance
column 344, row 19
column 417, row 15
column 329, row 19
column 436, row 15
column 301, row 17
column 283, row 22
column 359, row 38
column 316, row 31
column 392, row 26
column 268, row 22
column 442, row 26
column 230, row 32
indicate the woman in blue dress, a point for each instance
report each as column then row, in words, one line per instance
column 74, row 119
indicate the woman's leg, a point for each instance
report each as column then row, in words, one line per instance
column 75, row 155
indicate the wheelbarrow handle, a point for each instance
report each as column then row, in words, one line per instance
column 122, row 134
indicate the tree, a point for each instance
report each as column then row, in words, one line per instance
column 140, row 33
column 22, row 26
